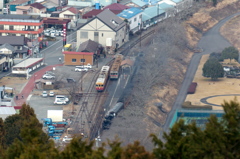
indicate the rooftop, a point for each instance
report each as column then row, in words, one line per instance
column 28, row 62
column 111, row 20
column 15, row 16
column 151, row 12
column 129, row 13
column 16, row 2
column 95, row 12
column 37, row 5
column 88, row 46
column 116, row 6
column 71, row 9
column 6, row 111
column 165, row 6
column 139, row 3
column 12, row 40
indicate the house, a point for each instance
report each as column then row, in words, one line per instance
column 151, row 16
column 95, row 12
column 137, row 4
column 167, row 8
column 6, row 97
column 134, row 18
column 38, row 8
column 70, row 13
column 24, row 9
column 106, row 29
column 88, row 52
column 116, row 6
column 6, row 59
column 21, row 25
column 13, row 4
column 182, row 4
column 20, row 50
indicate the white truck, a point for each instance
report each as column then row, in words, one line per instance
column 87, row 66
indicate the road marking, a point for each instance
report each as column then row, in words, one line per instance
column 119, row 79
column 28, row 98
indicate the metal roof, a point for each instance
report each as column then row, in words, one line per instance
column 6, row 111
column 7, row 46
column 165, row 6
column 151, row 2
column 176, row 1
column 15, row 16
column 27, row 63
column 116, row 6
column 129, row 13
column 139, row 3
column 151, row 12
column 111, row 20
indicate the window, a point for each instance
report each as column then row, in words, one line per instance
column 130, row 21
column 102, row 34
column 84, row 35
column 135, row 19
column 1, row 27
column 10, row 27
column 74, row 60
column 140, row 16
column 95, row 33
column 82, row 60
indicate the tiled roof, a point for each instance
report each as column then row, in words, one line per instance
column 88, row 46
column 12, row 40
column 37, row 5
column 95, row 12
column 111, row 20
column 71, row 9
column 129, row 13
column 116, row 6
column 15, row 16
column 8, row 46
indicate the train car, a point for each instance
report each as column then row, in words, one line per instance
column 114, row 72
column 102, row 78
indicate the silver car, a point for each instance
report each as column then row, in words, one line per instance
column 48, row 76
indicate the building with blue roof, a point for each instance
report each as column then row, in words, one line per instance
column 168, row 8
column 151, row 2
column 152, row 15
column 134, row 18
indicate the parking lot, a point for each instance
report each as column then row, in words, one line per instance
column 42, row 105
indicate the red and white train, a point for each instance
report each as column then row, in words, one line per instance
column 115, row 69
column 102, row 78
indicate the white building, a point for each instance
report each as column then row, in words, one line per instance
column 134, row 18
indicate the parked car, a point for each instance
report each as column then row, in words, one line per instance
column 80, row 69
column 48, row 76
column 60, row 101
column 62, row 97
column 51, row 94
column 44, row 94
column 87, row 66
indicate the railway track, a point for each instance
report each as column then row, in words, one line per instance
column 94, row 116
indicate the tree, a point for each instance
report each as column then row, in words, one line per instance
column 230, row 53
column 219, row 139
column 212, row 68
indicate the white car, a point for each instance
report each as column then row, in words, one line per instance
column 60, row 101
column 62, row 98
column 80, row 69
column 51, row 94
column 47, row 76
column 44, row 94
column 87, row 66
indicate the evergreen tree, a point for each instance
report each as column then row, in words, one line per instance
column 212, row 68
column 230, row 53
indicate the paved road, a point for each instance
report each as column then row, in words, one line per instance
column 210, row 42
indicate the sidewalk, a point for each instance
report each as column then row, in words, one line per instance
column 29, row 87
